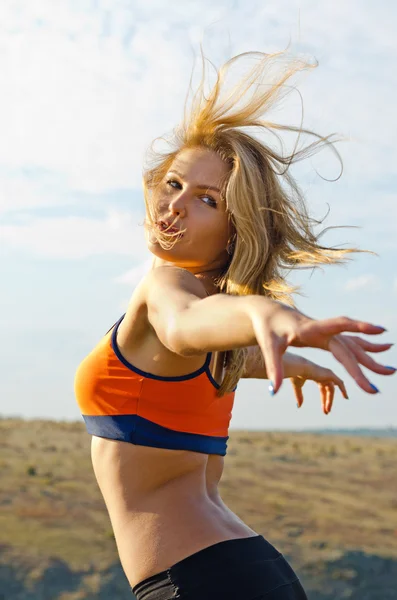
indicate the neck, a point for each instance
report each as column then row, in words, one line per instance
column 207, row 277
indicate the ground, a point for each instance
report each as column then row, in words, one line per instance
column 327, row 502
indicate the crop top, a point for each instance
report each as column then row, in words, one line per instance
column 121, row 402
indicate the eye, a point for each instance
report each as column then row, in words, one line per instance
column 212, row 201
column 171, row 182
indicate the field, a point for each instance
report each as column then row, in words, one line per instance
column 327, row 502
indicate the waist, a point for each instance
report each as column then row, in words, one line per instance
column 163, row 505
column 169, row 528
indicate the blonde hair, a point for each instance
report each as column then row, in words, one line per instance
column 273, row 230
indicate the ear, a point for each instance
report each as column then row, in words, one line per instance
column 231, row 227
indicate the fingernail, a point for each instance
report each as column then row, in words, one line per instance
column 271, row 389
column 374, row 387
column 391, row 368
column 297, row 405
column 381, row 327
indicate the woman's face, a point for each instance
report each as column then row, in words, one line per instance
column 189, row 197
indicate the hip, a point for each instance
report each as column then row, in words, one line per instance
column 158, row 536
column 249, row 569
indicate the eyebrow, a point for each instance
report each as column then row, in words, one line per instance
column 199, row 186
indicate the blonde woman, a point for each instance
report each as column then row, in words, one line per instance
column 224, row 219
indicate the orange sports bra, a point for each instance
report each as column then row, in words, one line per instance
column 120, row 402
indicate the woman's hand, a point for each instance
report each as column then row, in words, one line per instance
column 284, row 326
column 327, row 380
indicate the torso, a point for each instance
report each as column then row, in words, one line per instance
column 163, row 504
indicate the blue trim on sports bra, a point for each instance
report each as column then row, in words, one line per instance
column 150, row 375
column 204, row 369
column 140, row 431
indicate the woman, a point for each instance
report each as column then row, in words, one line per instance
column 157, row 391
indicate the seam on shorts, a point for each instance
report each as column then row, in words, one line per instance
column 175, row 588
column 274, row 589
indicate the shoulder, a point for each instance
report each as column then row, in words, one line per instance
column 157, row 300
column 171, row 280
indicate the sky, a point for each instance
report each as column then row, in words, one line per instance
column 87, row 85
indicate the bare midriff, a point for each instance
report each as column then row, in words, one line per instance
column 164, row 505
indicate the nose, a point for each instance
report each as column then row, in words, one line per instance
column 177, row 206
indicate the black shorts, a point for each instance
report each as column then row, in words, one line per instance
column 240, row 569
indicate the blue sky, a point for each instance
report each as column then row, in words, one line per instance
column 86, row 86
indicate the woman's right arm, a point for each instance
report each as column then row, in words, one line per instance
column 196, row 324
column 226, row 322
column 189, row 322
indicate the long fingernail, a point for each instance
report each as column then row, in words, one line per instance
column 391, row 368
column 374, row 387
column 381, row 327
column 271, row 389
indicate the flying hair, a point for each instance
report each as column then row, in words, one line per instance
column 273, row 231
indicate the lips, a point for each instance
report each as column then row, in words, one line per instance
column 164, row 225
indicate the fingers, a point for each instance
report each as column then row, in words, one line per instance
column 316, row 333
column 273, row 348
column 330, row 396
column 327, row 391
column 298, row 391
column 339, row 324
column 341, row 386
column 324, row 398
column 328, row 376
column 346, row 357
column 327, row 396
column 366, row 360
column 368, row 346
column 323, row 393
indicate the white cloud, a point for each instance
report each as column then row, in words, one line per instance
column 84, row 107
column 117, row 233
column 87, row 89
column 134, row 275
column 87, row 85
column 31, row 189
column 363, row 282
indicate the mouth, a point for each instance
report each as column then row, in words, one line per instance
column 162, row 225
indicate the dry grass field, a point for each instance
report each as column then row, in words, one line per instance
column 327, row 502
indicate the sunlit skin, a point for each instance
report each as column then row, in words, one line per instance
column 185, row 195
column 184, row 199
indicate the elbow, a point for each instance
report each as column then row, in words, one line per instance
column 178, row 344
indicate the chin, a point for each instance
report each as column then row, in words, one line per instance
column 155, row 248
column 168, row 255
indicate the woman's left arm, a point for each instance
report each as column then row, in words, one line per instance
column 293, row 365
column 299, row 370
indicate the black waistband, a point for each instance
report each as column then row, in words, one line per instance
column 223, row 554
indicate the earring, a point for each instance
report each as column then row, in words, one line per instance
column 231, row 245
